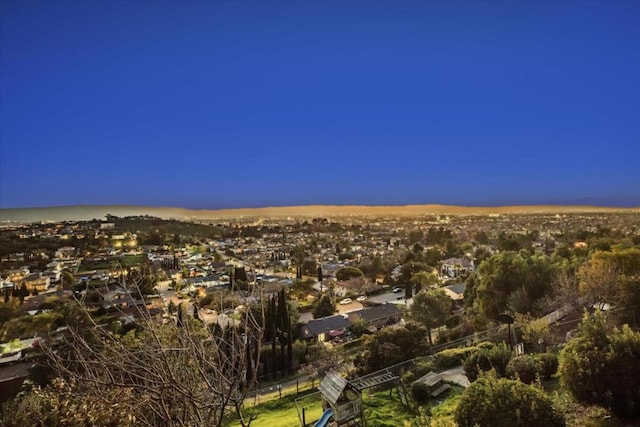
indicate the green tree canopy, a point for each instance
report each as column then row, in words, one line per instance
column 324, row 307
column 603, row 368
column 490, row 401
column 347, row 273
column 512, row 277
column 430, row 308
column 393, row 345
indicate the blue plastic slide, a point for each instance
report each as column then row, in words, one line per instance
column 324, row 419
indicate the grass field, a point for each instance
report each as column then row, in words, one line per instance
column 283, row 412
column 381, row 410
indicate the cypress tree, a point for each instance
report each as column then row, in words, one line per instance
column 273, row 336
column 23, row 292
column 179, row 316
column 289, row 345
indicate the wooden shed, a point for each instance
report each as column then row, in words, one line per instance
column 434, row 382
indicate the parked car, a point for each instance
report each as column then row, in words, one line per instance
column 397, row 290
column 361, row 298
column 346, row 301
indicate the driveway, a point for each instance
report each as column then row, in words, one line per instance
column 353, row 306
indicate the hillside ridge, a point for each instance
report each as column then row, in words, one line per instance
column 86, row 212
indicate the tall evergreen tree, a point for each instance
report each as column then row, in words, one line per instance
column 274, row 364
column 179, row 316
column 289, row 345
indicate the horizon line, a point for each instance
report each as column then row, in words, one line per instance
column 317, row 205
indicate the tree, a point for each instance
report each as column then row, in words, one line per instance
column 525, row 368
column 301, row 288
column 501, row 402
column 486, row 359
column 564, row 291
column 191, row 374
column 23, row 292
column 68, row 279
column 8, row 310
column 318, row 360
column 481, row 237
column 393, row 345
column 430, row 308
column 348, row 273
column 525, row 279
column 598, row 280
column 309, row 267
column 423, row 279
column 613, row 277
column 324, row 307
column 603, row 368
column 534, row 331
column 171, row 308
column 63, row 403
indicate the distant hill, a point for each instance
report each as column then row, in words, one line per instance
column 86, row 212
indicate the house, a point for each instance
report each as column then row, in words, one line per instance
column 17, row 274
column 65, row 252
column 356, row 286
column 455, row 267
column 376, row 316
column 54, row 276
column 55, row 266
column 36, row 281
column 324, row 329
column 202, row 282
column 120, row 298
column 455, row 292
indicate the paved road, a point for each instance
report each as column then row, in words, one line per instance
column 355, row 305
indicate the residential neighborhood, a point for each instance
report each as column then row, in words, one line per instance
column 328, row 287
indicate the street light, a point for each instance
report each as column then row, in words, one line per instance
column 507, row 319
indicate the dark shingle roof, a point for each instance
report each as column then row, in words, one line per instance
column 323, row 325
column 377, row 312
column 458, row 288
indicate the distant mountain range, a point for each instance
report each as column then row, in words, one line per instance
column 86, row 212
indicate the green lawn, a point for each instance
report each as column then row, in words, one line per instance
column 380, row 410
column 446, row 409
column 283, row 412
column 130, row 260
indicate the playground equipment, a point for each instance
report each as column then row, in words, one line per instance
column 341, row 398
column 324, row 419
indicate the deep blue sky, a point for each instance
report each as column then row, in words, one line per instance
column 207, row 104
